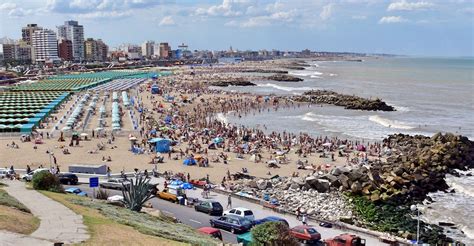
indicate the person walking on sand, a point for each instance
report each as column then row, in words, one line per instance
column 304, row 219
column 229, row 201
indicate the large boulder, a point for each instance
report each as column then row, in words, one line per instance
column 322, row 185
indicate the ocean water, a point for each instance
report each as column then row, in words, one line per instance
column 430, row 94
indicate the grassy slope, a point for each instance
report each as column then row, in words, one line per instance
column 107, row 230
column 14, row 216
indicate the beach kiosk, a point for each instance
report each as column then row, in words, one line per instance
column 155, row 89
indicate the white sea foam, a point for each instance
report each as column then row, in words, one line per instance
column 315, row 76
column 305, row 73
column 221, row 117
column 401, row 108
column 286, row 88
column 389, row 123
column 332, row 75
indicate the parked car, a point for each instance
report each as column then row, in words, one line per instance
column 75, row 190
column 345, row 240
column 3, row 173
column 114, row 183
column 209, row 207
column 305, row 234
column 29, row 176
column 241, row 212
column 271, row 219
column 213, row 232
column 232, row 223
column 115, row 198
column 68, row 178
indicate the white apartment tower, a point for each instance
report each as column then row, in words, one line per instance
column 71, row 30
column 45, row 46
column 148, row 48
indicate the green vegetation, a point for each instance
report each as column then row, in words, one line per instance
column 272, row 233
column 148, row 224
column 9, row 201
column 136, row 194
column 398, row 220
column 46, row 181
column 104, row 230
column 102, row 194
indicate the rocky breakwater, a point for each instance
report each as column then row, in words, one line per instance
column 260, row 70
column 346, row 101
column 232, row 82
column 416, row 167
column 311, row 195
column 284, row 78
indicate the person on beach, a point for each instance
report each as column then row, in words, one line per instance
column 229, row 201
column 304, row 219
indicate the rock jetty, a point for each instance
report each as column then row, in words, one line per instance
column 284, row 78
column 232, row 83
column 417, row 166
column 347, row 101
column 260, row 70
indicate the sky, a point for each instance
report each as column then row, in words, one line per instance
column 405, row 27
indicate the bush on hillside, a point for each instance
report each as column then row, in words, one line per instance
column 46, row 181
column 102, row 194
column 272, row 233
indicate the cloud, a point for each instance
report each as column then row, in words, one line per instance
column 392, row 19
column 267, row 20
column 167, row 21
column 228, row 8
column 403, row 5
column 105, row 14
column 326, row 12
column 96, row 6
column 7, row 6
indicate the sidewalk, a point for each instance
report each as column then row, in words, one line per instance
column 58, row 223
column 11, row 238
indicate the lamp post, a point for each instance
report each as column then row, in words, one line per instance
column 415, row 208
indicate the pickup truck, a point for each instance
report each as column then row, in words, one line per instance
column 114, row 184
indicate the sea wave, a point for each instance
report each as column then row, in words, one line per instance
column 221, row 117
column 389, row 123
column 305, row 73
column 401, row 108
column 286, row 88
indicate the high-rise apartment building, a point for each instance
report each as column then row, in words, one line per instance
column 45, row 46
column 148, row 49
column 65, row 50
column 71, row 30
column 165, row 51
column 95, row 50
column 27, row 32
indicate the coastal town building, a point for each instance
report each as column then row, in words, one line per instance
column 45, row 46
column 165, row 51
column 27, row 32
column 95, row 50
column 148, row 49
column 71, row 30
column 65, row 49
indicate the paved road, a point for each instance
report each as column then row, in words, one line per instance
column 184, row 214
column 57, row 222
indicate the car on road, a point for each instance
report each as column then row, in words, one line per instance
column 232, row 223
column 3, row 173
column 114, row 183
column 305, row 234
column 75, row 190
column 29, row 176
column 68, row 178
column 271, row 219
column 241, row 212
column 209, row 207
column 345, row 240
column 213, row 232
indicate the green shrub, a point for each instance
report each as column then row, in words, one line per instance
column 45, row 180
column 136, row 193
column 102, row 194
column 272, row 233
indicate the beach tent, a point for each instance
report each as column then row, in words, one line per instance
column 245, row 239
column 168, row 119
column 155, row 89
column 218, row 140
column 176, row 182
column 189, row 162
column 187, row 186
column 163, row 145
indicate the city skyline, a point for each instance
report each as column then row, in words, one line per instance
column 427, row 28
